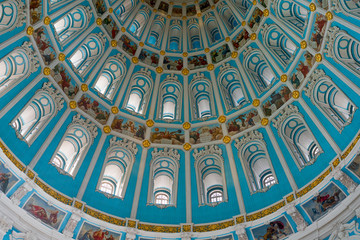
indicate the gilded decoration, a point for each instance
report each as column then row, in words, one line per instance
column 296, row 94
column 131, row 223
column 210, row 67
column 107, row 129
column 186, row 228
column 157, row 228
column 266, row 12
column 30, row 174
column 264, row 121
column 146, row 143
column 78, row 205
column 30, row 30
column 114, row 110
column 186, row 125
column 149, row 123
column 226, row 139
column 12, row 158
column 240, row 219
column 263, row 213
column 336, row 162
column 290, row 198
column 222, row 119
column 213, row 227
column 84, row 87
column 53, row 193
column 62, row 57
column 99, row 21
column 312, row 7
column 256, row 102
column 185, row 71
column 104, row 217
column 47, row 20
column 159, row 69
column 47, row 71
column 253, row 36
column 234, row 54
column 113, row 43
column 135, row 60
column 283, row 78
column 187, row 146
column 318, row 57
column 72, row 104
column 124, row 30
column 329, row 16
column 309, row 187
column 303, row 44
column 346, row 153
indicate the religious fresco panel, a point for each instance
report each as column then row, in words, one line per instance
column 91, row 232
column 93, row 108
column 44, row 45
column 110, row 26
column 128, row 127
column 127, row 45
column 7, row 179
column 277, row 99
column 206, row 134
column 149, row 58
column 220, row 53
column 100, row 7
column 255, row 19
column 36, row 12
column 204, row 5
column 190, row 10
column 167, row 136
column 177, row 11
column 62, row 77
column 243, row 122
column 241, row 39
column 173, row 63
column 301, row 71
column 276, row 229
column 354, row 166
column 318, row 32
column 197, row 61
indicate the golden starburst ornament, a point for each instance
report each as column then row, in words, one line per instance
column 253, row 36
column 318, row 57
column 234, row 54
column 226, row 139
column 146, row 143
column 135, row 60
column 47, row 71
column 30, row 30
column 264, row 121
column 47, row 20
column 210, row 67
column 186, row 125
column 187, row 146
column 159, row 69
column 303, row 44
column 222, row 119
column 114, row 110
column 312, row 7
column 185, row 71
column 99, row 21
column 84, row 87
column 283, row 78
column 72, row 104
column 107, row 129
column 149, row 123
column 256, row 102
column 113, row 43
column 296, row 94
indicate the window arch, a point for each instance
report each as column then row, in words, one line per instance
column 111, row 76
column 139, row 91
column 17, row 65
column 242, row 5
column 12, row 15
column 258, row 69
column 227, row 16
column 344, row 49
column 231, row 87
column 88, row 53
column 175, row 36
column 157, row 31
column 348, row 6
column 329, row 98
column 210, row 175
column 212, row 28
column 57, row 3
column 256, row 162
column 163, row 182
column 297, row 136
column 118, row 163
column 194, row 34
column 279, row 44
column 37, row 113
column 201, row 97
column 124, row 9
column 138, row 25
column 292, row 14
column 74, row 145
column 72, row 24
column 170, row 98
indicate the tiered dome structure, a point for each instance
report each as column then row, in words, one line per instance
column 179, row 119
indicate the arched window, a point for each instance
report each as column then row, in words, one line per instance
column 297, row 136
column 170, row 98
column 88, row 53
column 201, row 97
column 124, row 9
column 292, row 14
column 194, row 34
column 210, row 175
column 37, row 113
column 163, row 182
column 333, row 103
column 279, row 44
column 242, row 5
column 157, row 31
column 175, row 36
column 351, row 7
column 118, row 163
column 231, row 87
column 344, row 49
column 227, row 16
column 212, row 28
column 256, row 162
column 17, row 65
column 139, row 23
column 258, row 69
column 12, row 15
column 74, row 145
column 72, row 24
column 57, row 3
column 139, row 91
column 111, row 76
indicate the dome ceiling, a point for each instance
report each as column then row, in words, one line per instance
column 179, row 111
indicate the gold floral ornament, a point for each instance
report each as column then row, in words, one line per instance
column 186, row 125
column 207, row 50
column 253, row 36
column 213, row 7
column 199, row 14
column 329, row 16
column 62, row 57
column 99, row 21
column 135, row 60
column 266, row 12
column 234, row 54
column 168, row 16
column 185, row 54
column 72, row 104
column 303, row 44
column 186, row 228
column 150, row 123
column 47, row 71
column 111, row 10
column 312, row 7
column 243, row 23
column 159, row 70
column 226, row 139
column 185, row 71
column 222, row 119
column 264, row 121
column 187, row 146
column 318, row 57
column 47, row 20
column 113, row 43
column 84, row 87
column 155, row 10
column 296, row 94
column 210, row 67
column 256, row 102
column 107, row 129
column 114, row 110
column 146, row 143
column 30, row 30
column 184, row 17
column 141, row 44
column 254, row 2
column 227, row 39
column 162, row 52
column 283, row 78
column 123, row 29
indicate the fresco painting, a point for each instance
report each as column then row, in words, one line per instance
column 220, row 53
column 35, row 11
column 149, row 58
column 93, row 108
column 177, row 11
column 301, row 71
column 128, row 127
column 206, row 134
column 164, row 7
column 190, row 10
column 276, row 100
column 324, row 3
column 167, row 136
column 318, row 31
column 276, row 229
column 173, row 63
column 243, row 122
column 7, row 179
column 354, row 166
column 264, row 3
column 91, row 232
column 40, row 209
column 100, row 7
column 43, row 43
column 255, row 19
column 241, row 39
column 204, row 5
column 151, row 2
column 62, row 77
column 110, row 26
column 198, row 61
column 127, row 45
column 321, row 204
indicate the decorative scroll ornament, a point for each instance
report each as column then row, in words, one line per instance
column 55, row 94
column 72, row 223
column 21, row 17
column 314, row 77
column 124, row 143
column 20, row 193
column 296, row 216
column 346, row 231
column 345, row 180
column 248, row 137
column 208, row 150
column 5, row 225
column 91, row 127
column 284, row 114
column 33, row 57
column 241, row 232
column 166, row 152
column 330, row 39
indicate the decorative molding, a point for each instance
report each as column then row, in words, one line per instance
column 345, row 180
column 208, row 150
column 284, row 114
column 124, row 143
column 72, row 223
column 296, row 216
column 313, row 78
column 265, row 212
column 91, row 127
column 248, row 137
column 312, row 185
column 166, row 152
column 21, row 192
column 104, row 217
